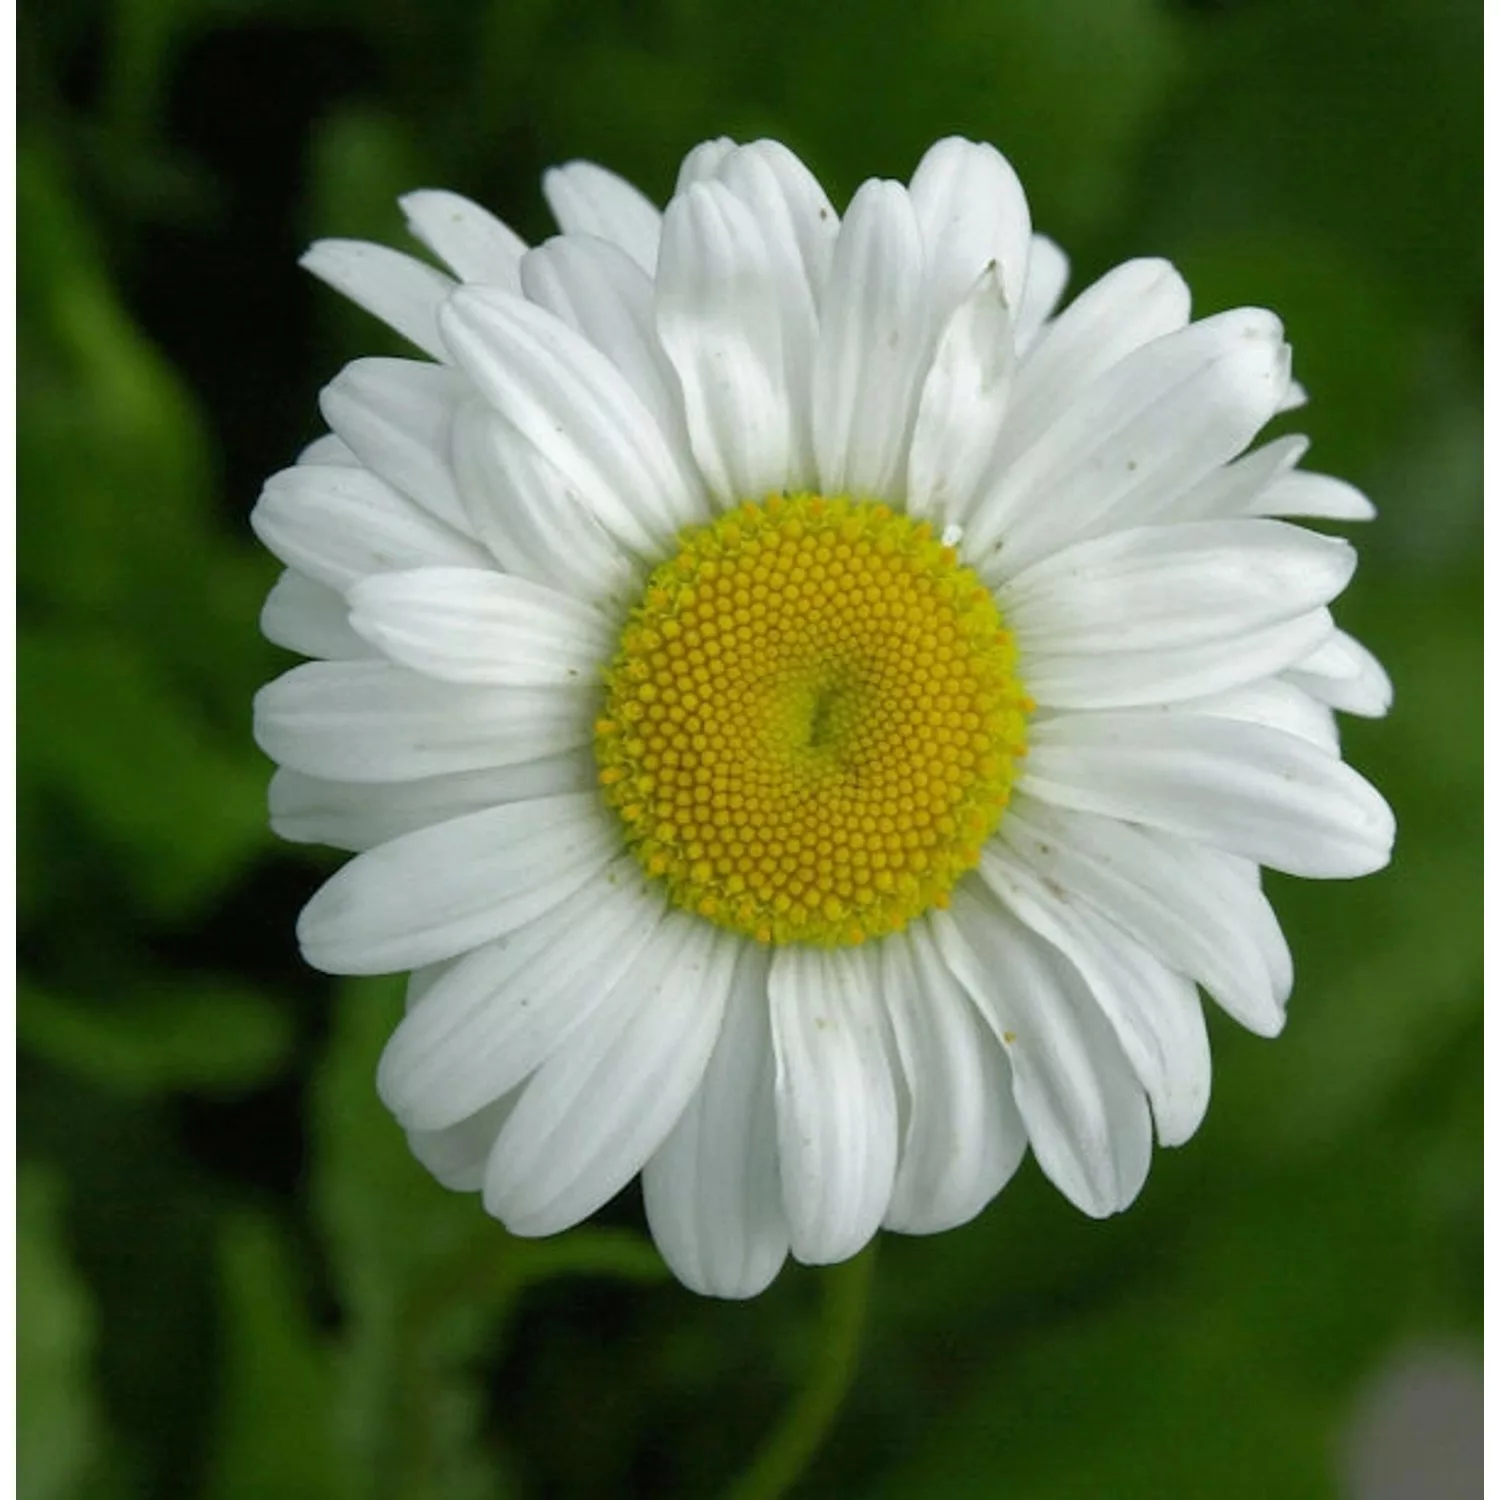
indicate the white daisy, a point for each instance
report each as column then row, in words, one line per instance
column 808, row 714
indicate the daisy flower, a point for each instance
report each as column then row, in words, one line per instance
column 808, row 714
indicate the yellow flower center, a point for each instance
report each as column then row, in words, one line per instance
column 811, row 725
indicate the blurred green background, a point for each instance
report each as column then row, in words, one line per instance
column 233, row 1281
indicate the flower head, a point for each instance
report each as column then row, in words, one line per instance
column 809, row 714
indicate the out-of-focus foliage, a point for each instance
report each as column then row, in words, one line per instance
column 57, row 1416
column 234, row 1281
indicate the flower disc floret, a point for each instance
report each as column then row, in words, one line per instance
column 812, row 722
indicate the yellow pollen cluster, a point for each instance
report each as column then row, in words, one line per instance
column 811, row 725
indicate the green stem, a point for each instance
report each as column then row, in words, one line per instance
column 791, row 1446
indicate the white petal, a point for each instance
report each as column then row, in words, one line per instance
column 796, row 218
column 1233, row 489
column 1085, row 1111
column 596, row 289
column 1154, row 1010
column 500, row 1012
column 1174, row 897
column 587, row 199
column 1046, row 276
column 423, row 977
column 358, row 815
column 713, row 1191
column 1295, row 397
column 441, row 890
column 600, row 1106
column 400, row 291
column 328, row 449
column 1258, row 920
column 1155, row 586
column 578, row 410
column 307, row 616
column 1345, row 675
column 702, row 162
column 961, row 408
column 1171, row 675
column 1128, row 307
column 962, row 1136
column 374, row 721
column 1276, row 703
column 477, row 245
column 395, row 415
column 835, row 1100
column 533, row 521
column 1320, row 496
column 739, row 329
column 973, row 213
column 476, row 625
column 340, row 525
column 457, row 1155
column 1249, row 790
column 1126, row 446
column 873, row 347
column 1163, row 612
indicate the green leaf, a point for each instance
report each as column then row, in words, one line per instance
column 1431, row 493
column 111, row 456
column 275, row 1433
column 1334, row 120
column 118, row 525
column 60, row 1440
column 208, row 1035
column 112, row 739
